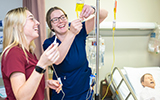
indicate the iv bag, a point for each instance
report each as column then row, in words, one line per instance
column 79, row 7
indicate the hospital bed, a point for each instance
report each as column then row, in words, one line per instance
column 126, row 82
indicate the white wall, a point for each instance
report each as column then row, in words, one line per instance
column 6, row 5
column 127, row 10
column 137, row 10
column 130, row 51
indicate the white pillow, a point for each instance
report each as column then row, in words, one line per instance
column 134, row 75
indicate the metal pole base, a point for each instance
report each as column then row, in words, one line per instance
column 97, row 97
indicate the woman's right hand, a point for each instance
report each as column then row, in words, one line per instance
column 54, row 84
column 49, row 56
column 76, row 26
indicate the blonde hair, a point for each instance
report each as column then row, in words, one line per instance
column 13, row 33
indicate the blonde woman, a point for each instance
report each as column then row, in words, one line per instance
column 22, row 73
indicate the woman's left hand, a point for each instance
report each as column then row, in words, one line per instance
column 86, row 11
column 54, row 84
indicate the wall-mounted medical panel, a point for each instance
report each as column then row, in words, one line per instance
column 127, row 28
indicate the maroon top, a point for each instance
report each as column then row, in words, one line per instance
column 16, row 61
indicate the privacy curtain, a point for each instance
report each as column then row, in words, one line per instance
column 37, row 8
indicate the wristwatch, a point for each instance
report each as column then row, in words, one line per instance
column 94, row 9
column 40, row 69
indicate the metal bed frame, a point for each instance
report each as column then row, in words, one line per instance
column 115, row 88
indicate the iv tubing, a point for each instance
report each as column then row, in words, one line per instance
column 112, row 66
column 57, row 78
column 113, row 30
column 77, row 14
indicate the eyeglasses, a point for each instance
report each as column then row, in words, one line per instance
column 56, row 19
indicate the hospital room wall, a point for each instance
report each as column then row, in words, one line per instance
column 129, row 50
column 127, row 10
column 6, row 5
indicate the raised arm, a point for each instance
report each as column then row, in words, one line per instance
column 25, row 89
column 75, row 28
column 67, row 40
column 87, row 11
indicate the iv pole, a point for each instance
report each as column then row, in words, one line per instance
column 97, row 49
column 97, row 40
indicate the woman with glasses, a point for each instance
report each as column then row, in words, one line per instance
column 72, row 65
column 22, row 73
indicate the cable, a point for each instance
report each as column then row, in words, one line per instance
column 60, row 82
column 113, row 30
column 55, row 41
column 89, row 91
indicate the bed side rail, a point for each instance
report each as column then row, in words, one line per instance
column 120, row 83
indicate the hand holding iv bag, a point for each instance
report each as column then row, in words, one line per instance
column 79, row 7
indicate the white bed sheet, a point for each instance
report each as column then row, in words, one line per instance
column 133, row 76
